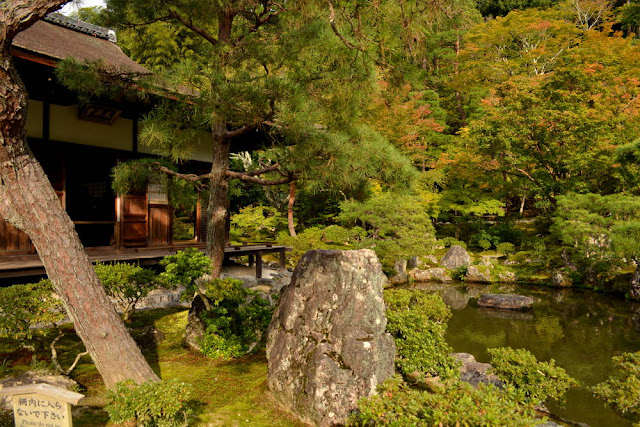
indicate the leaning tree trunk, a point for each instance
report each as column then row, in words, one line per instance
column 218, row 209
column 28, row 202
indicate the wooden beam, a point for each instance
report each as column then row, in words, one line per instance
column 34, row 57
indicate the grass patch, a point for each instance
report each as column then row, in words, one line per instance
column 225, row 393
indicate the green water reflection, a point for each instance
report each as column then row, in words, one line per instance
column 581, row 330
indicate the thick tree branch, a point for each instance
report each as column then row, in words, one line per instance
column 264, row 170
column 137, row 25
column 240, row 131
column 22, row 14
column 334, row 27
column 244, row 176
column 186, row 176
column 188, row 22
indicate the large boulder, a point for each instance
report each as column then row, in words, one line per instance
column 506, row 301
column 195, row 326
column 474, row 372
column 431, row 275
column 327, row 346
column 400, row 270
column 456, row 257
column 479, row 274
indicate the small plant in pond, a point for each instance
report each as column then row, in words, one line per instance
column 152, row 404
column 538, row 381
column 622, row 391
column 237, row 321
column 418, row 322
column 127, row 283
column 184, row 268
column 459, row 273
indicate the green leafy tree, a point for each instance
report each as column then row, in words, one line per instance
column 602, row 230
column 397, row 225
column 298, row 70
column 493, row 8
column 256, row 223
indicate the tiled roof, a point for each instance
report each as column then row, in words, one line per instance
column 81, row 26
column 58, row 38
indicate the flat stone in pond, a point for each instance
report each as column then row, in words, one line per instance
column 506, row 301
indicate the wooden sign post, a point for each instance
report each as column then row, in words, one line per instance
column 42, row 405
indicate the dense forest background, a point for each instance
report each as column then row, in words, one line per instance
column 520, row 119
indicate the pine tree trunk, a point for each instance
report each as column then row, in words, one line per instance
column 292, row 200
column 28, row 202
column 218, row 208
column 634, row 291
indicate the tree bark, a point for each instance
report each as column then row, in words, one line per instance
column 634, row 290
column 218, row 208
column 292, row 200
column 28, row 202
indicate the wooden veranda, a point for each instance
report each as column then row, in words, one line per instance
column 30, row 264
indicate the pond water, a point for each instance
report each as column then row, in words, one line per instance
column 581, row 330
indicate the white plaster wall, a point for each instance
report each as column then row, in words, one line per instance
column 66, row 127
column 201, row 150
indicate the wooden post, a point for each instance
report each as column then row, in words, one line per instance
column 259, row 265
column 42, row 405
column 283, row 260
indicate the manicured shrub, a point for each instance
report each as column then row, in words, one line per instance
column 538, row 381
column 127, row 283
column 22, row 307
column 184, row 268
column 456, row 404
column 451, row 241
column 417, row 321
column 152, row 404
column 237, row 321
column 506, row 248
column 622, row 391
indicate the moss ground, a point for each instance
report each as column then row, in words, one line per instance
column 230, row 393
